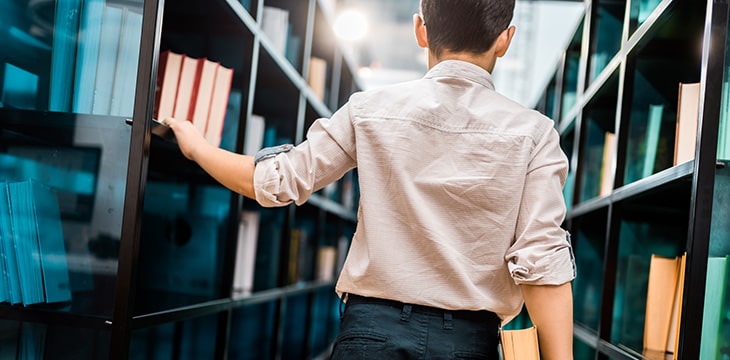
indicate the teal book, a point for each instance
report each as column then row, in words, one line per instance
column 182, row 261
column 32, row 341
column 630, row 301
column 7, row 237
column 269, row 267
column 125, row 76
column 712, row 315
column 26, row 243
column 87, row 56
column 39, row 244
column 230, row 124
column 653, row 128
column 10, row 339
column 723, row 148
column 4, row 294
column 52, row 249
column 646, row 7
column 4, row 288
column 63, row 57
column 108, row 52
column 19, row 88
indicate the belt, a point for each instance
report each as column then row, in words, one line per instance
column 479, row 315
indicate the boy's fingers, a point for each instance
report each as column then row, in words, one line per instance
column 167, row 121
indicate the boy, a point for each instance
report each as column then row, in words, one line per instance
column 461, row 199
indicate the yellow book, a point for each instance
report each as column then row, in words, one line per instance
column 687, row 117
column 673, row 341
column 520, row 344
column 659, row 302
column 663, row 304
column 608, row 165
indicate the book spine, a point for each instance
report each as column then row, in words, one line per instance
column 87, row 55
column 108, row 53
column 63, row 58
column 125, row 76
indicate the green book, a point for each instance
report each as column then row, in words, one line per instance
column 653, row 127
column 723, row 150
column 715, row 292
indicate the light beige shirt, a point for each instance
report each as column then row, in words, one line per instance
column 461, row 191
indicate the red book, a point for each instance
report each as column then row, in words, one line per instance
column 202, row 93
column 185, row 87
column 168, row 74
column 218, row 105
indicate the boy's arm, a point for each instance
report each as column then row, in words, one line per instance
column 551, row 311
column 234, row 171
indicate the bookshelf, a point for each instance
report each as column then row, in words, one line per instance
column 621, row 75
column 150, row 239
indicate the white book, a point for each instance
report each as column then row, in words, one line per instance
column 248, row 233
column 255, row 127
column 275, row 24
column 326, row 263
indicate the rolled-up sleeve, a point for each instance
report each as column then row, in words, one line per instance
column 541, row 253
column 283, row 177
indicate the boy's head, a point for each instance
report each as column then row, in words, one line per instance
column 470, row 26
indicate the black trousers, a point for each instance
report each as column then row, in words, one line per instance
column 384, row 330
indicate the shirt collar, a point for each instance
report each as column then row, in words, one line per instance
column 461, row 69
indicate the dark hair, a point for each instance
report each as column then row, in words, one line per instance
column 465, row 25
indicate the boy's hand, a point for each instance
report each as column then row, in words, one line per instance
column 189, row 139
column 232, row 170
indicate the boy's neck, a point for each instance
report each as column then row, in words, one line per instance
column 485, row 60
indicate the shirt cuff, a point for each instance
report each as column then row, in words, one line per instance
column 554, row 269
column 267, row 178
column 268, row 152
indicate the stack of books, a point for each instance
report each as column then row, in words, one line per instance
column 33, row 265
column 195, row 89
column 94, row 59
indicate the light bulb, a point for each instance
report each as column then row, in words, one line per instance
column 351, row 25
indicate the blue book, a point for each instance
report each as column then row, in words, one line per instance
column 246, row 4
column 39, row 244
column 7, row 238
column 26, row 244
column 125, row 77
column 52, row 250
column 4, row 290
column 20, row 88
column 4, row 295
column 32, row 341
column 108, row 52
column 87, row 55
column 63, row 57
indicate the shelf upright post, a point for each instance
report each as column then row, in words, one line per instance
column 703, row 178
column 124, row 297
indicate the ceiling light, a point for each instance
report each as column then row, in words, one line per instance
column 351, row 25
